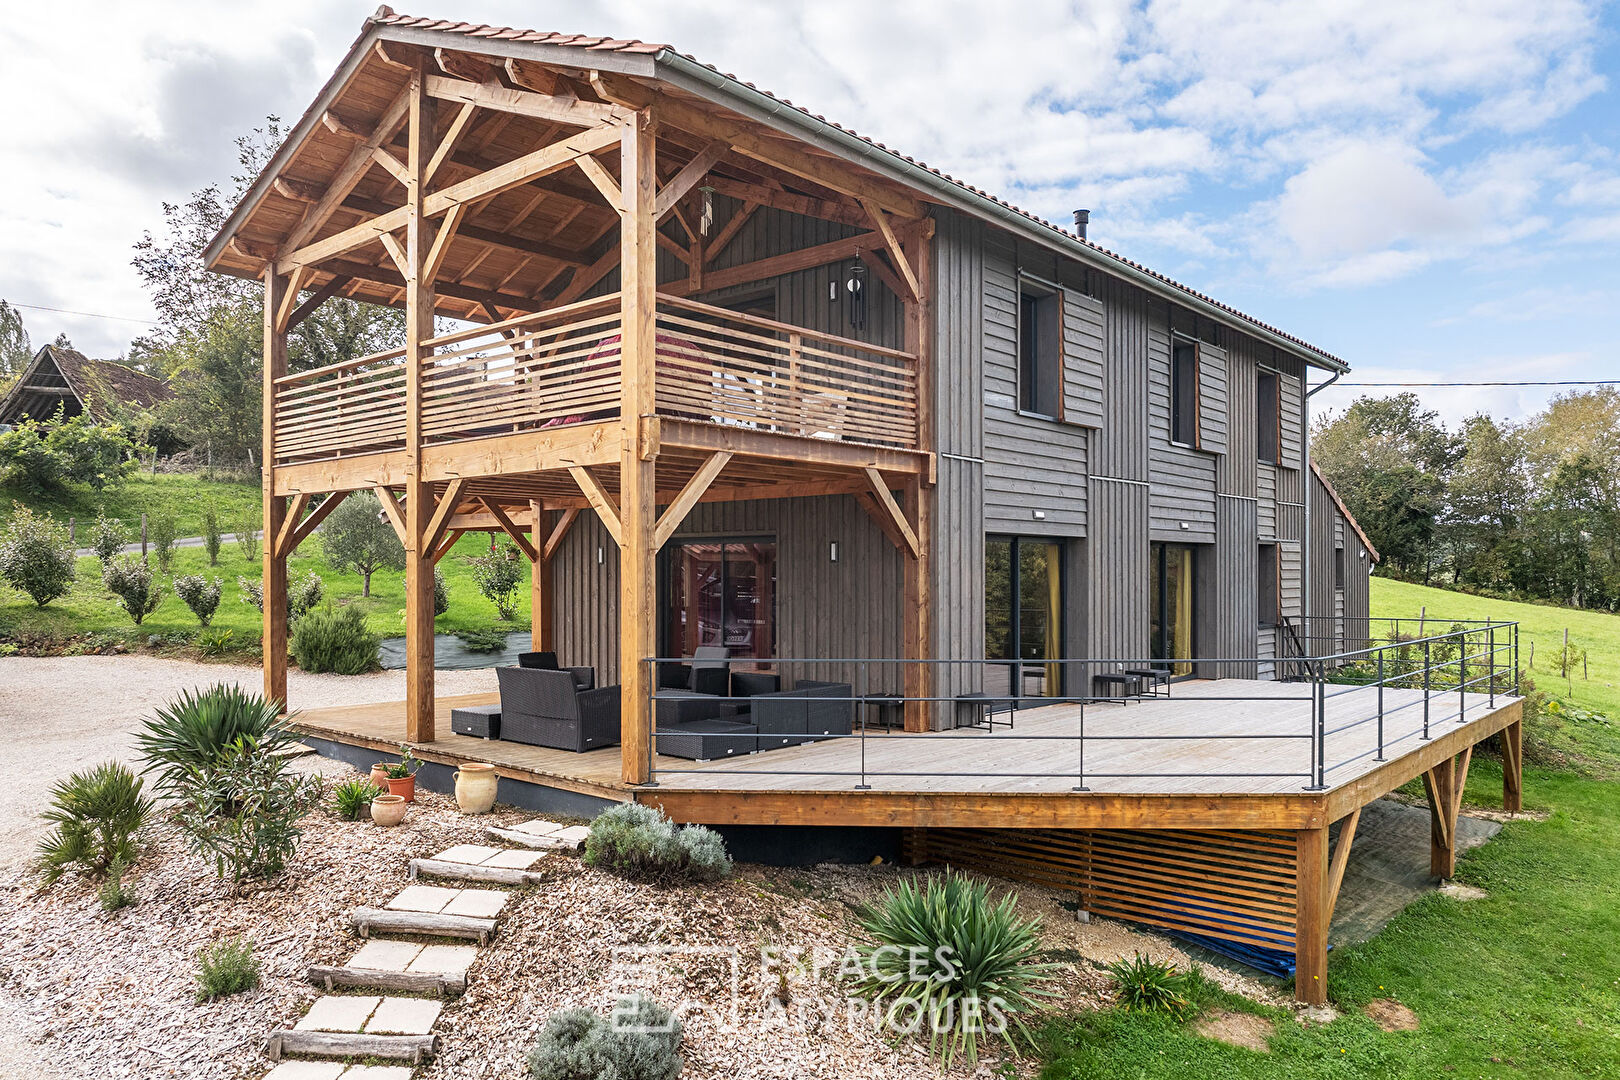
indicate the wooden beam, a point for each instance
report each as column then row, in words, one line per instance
column 689, row 176
column 676, row 512
column 420, row 715
column 600, row 501
column 274, row 618
column 474, row 69
column 282, row 538
column 441, row 514
column 537, row 77
column 880, row 517
column 604, row 181
column 392, row 278
column 896, row 252
column 1341, row 859
column 444, row 547
column 396, row 251
column 511, row 530
column 1513, row 767
column 524, row 102
column 393, row 54
column 348, row 175
column 395, row 517
column 788, row 263
column 792, row 202
column 1311, row 915
column 391, row 164
column 313, row 521
column 544, row 248
column 316, row 299
column 442, row 240
column 542, row 616
column 559, row 531
column 297, row 190
column 885, row 500
column 289, row 302
column 728, row 232
column 447, row 143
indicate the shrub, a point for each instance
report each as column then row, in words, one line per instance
column 247, row 530
column 441, row 593
column 352, row 799
column 199, row 594
column 334, row 639
column 161, row 529
column 107, row 538
column 216, row 643
column 357, row 537
column 483, row 640
column 35, row 558
column 131, row 580
column 211, row 534
column 1147, row 985
column 950, row 959
column 642, row 1041
column 303, row 593
column 225, row 968
column 47, row 455
column 97, row 815
column 113, row 894
column 242, row 811
column 639, row 842
column 498, row 574
column 197, row 729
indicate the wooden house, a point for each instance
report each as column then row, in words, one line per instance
column 734, row 377
column 62, row 378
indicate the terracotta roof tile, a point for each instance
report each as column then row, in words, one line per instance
column 387, row 16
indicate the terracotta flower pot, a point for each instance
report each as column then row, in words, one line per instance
column 475, row 788
column 379, row 775
column 388, row 810
column 404, row 787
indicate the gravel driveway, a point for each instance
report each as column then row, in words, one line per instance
column 65, row 713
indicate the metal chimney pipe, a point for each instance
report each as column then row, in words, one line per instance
column 1082, row 218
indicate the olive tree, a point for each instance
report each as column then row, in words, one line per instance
column 357, row 536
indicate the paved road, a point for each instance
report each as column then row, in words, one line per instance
column 135, row 549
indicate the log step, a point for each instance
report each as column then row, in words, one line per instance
column 457, row 871
column 350, row 1044
column 414, row 982
column 369, row 920
column 537, row 841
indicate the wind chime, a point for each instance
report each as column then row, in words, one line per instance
column 855, row 285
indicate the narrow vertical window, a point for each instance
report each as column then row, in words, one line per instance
column 1040, row 351
column 1338, row 568
column 1270, row 586
column 1184, row 393
column 1268, row 417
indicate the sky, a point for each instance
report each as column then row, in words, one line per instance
column 1430, row 191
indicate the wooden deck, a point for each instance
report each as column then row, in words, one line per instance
column 1223, row 753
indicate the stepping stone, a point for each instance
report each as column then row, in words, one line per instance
column 426, row 898
column 574, row 834
column 514, row 860
column 551, row 838
column 383, row 955
column 334, row 1013
column 443, row 959
column 377, row 1072
column 467, row 853
column 404, row 1016
column 307, row 1070
column 476, row 903
column 537, row 827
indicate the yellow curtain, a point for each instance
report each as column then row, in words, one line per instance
column 1182, row 616
column 1054, row 617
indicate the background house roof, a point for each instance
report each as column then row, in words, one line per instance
column 57, row 373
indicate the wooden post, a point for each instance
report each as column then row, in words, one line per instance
column 637, row 459
column 274, row 583
column 143, row 538
column 541, row 620
column 1513, row 767
column 1438, row 785
column 418, row 494
column 1311, row 916
column 921, row 679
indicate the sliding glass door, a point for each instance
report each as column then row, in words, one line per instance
column 1170, row 600
column 1023, row 616
column 720, row 592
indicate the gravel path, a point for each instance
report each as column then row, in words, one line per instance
column 65, row 713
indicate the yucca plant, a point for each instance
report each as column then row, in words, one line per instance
column 1148, row 985
column 197, row 730
column 951, row 958
column 97, row 815
column 352, row 799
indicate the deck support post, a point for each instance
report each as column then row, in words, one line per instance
column 419, row 506
column 921, row 678
column 541, row 621
column 1513, row 767
column 638, row 509
column 274, row 588
column 1443, row 785
column 1312, row 885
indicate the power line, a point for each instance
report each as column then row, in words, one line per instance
column 1563, row 382
column 84, row 314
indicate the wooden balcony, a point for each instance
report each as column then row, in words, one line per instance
column 561, row 367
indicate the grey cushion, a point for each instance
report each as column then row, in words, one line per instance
column 706, row 740
column 545, row 708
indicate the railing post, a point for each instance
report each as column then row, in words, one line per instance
column 1380, row 756
column 865, row 682
column 651, row 668
column 1425, row 688
column 1490, row 683
column 1081, row 786
column 1462, row 677
column 1516, row 669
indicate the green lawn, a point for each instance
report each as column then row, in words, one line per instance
column 185, row 496
column 1592, row 744
column 91, row 609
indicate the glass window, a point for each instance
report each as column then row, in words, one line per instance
column 1170, row 598
column 721, row 592
column 1338, row 569
column 1023, row 615
column 1268, row 417
column 1270, row 586
column 1040, row 351
column 1184, row 392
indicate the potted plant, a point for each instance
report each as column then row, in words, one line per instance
column 379, row 775
column 388, row 810
column 401, row 774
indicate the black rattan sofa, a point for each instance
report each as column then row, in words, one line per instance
column 545, row 708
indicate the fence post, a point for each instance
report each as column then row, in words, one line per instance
column 143, row 538
column 1380, row 756
column 1425, row 688
column 73, row 530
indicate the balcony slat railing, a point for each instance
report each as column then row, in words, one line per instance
column 563, row 366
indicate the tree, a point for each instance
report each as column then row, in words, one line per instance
column 15, row 349
column 35, row 558
column 356, row 535
column 1488, row 493
column 497, row 573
